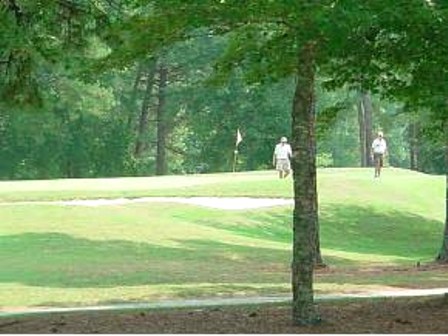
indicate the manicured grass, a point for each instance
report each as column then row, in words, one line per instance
column 257, row 184
column 398, row 188
column 67, row 255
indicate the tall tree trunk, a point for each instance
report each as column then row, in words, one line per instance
column 442, row 257
column 161, row 164
column 305, row 217
column 413, row 145
column 362, row 133
column 67, row 164
column 368, row 117
column 142, row 127
column 131, row 105
column 365, row 111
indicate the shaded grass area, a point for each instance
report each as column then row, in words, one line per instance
column 55, row 255
column 58, row 260
column 389, row 235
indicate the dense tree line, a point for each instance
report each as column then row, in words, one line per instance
column 109, row 127
column 88, row 112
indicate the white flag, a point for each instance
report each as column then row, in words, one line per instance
column 239, row 138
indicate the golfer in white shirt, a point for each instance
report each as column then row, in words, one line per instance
column 379, row 150
column 281, row 159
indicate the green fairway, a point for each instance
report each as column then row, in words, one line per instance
column 74, row 255
column 254, row 184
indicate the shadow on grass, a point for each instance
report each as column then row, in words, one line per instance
column 60, row 260
column 380, row 232
column 353, row 229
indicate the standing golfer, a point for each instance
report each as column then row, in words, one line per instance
column 281, row 159
column 379, row 150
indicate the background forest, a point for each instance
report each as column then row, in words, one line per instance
column 167, row 114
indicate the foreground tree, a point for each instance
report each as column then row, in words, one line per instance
column 443, row 253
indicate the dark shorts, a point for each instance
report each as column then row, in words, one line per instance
column 378, row 159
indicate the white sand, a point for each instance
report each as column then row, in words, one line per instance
column 225, row 203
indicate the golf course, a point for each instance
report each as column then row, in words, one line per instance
column 375, row 234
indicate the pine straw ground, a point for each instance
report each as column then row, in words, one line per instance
column 404, row 315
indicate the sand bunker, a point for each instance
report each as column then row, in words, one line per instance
column 225, row 203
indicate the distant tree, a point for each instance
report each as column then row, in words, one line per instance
column 413, row 135
column 161, row 119
column 365, row 122
column 148, row 77
column 39, row 34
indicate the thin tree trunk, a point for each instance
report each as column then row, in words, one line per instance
column 144, row 112
column 133, row 97
column 305, row 217
column 442, row 257
column 413, row 145
column 368, row 124
column 365, row 128
column 362, row 133
column 19, row 15
column 67, row 166
column 161, row 164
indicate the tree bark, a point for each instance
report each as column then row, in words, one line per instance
column 144, row 112
column 12, row 6
column 368, row 117
column 161, row 164
column 365, row 112
column 131, row 106
column 442, row 257
column 305, row 217
column 413, row 145
column 362, row 133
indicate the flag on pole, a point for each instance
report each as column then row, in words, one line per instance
column 239, row 138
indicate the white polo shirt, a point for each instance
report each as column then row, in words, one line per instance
column 379, row 146
column 282, row 151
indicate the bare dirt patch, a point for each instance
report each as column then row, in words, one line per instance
column 404, row 315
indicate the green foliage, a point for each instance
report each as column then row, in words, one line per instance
column 324, row 160
column 89, row 127
column 36, row 35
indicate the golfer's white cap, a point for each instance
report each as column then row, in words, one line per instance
column 283, row 139
column 380, row 134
